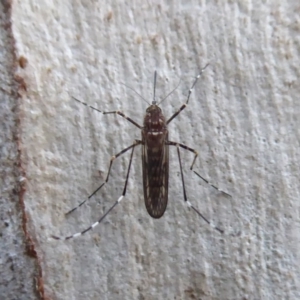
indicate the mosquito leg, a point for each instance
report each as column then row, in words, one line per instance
column 107, row 177
column 117, row 112
column 109, row 210
column 109, row 112
column 191, row 168
column 86, row 104
column 185, row 197
column 185, row 148
column 188, row 97
column 216, row 188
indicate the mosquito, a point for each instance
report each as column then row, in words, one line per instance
column 155, row 161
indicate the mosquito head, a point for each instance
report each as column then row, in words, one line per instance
column 153, row 109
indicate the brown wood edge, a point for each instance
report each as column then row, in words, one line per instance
column 18, row 91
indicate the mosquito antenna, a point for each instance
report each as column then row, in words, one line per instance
column 154, row 101
column 170, row 92
column 136, row 92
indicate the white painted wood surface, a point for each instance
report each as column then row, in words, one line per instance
column 243, row 119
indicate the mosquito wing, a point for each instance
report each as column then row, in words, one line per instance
column 155, row 179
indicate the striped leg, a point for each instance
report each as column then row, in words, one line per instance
column 185, row 197
column 107, row 177
column 109, row 210
column 109, row 112
column 117, row 112
column 191, row 168
column 185, row 148
column 94, row 108
column 216, row 188
column 188, row 97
